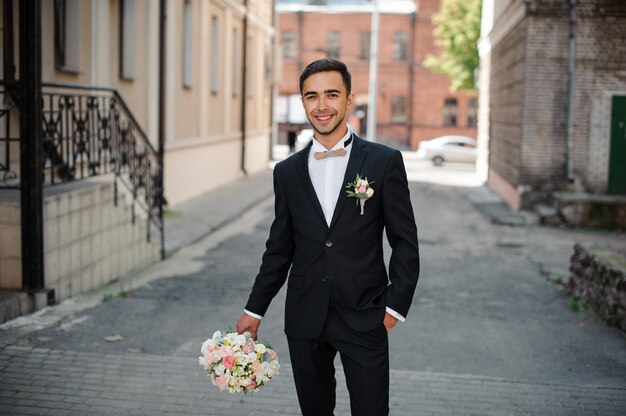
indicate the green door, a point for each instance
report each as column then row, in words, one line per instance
column 617, row 158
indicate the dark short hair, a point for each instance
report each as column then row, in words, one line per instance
column 325, row 65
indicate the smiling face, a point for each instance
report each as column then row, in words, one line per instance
column 325, row 101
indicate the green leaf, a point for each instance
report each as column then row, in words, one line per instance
column 456, row 33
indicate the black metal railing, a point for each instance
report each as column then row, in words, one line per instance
column 87, row 131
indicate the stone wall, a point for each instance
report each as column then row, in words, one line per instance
column 528, row 94
column 88, row 240
column 598, row 279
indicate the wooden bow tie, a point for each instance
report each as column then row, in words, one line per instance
column 330, row 153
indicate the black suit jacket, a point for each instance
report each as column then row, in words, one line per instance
column 343, row 262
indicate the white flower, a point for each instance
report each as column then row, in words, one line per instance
column 219, row 369
column 369, row 192
column 239, row 340
column 260, row 348
column 217, row 336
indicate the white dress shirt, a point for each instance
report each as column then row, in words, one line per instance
column 327, row 175
column 327, row 179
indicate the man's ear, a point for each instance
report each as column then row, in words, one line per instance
column 349, row 100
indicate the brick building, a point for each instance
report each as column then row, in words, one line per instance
column 414, row 103
column 536, row 141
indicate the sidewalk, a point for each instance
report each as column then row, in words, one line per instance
column 487, row 334
column 190, row 221
column 52, row 382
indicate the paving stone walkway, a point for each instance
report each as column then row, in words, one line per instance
column 54, row 382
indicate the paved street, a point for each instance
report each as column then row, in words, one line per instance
column 491, row 331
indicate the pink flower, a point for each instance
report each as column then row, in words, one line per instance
column 251, row 386
column 272, row 355
column 248, row 348
column 362, row 189
column 208, row 356
column 255, row 366
column 221, row 381
column 228, row 361
column 224, row 351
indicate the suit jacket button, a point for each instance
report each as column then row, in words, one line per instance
column 329, row 243
column 324, row 279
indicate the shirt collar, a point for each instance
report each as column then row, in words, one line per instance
column 317, row 146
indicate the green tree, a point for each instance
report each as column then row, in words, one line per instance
column 456, row 33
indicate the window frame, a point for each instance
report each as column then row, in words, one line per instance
column 215, row 54
column 333, row 46
column 187, row 50
column 127, row 48
column 366, row 38
column 450, row 112
column 66, row 36
column 399, row 46
column 398, row 101
column 290, row 48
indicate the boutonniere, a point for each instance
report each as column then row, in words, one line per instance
column 361, row 190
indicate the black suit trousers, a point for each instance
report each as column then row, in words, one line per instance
column 365, row 359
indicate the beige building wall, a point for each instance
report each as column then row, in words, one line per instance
column 206, row 145
column 204, row 133
column 203, row 125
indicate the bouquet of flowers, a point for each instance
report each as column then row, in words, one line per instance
column 235, row 362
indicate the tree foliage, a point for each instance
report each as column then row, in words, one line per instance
column 456, row 33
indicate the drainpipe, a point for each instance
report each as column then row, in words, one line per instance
column 273, row 57
column 570, row 90
column 243, row 87
column 161, row 149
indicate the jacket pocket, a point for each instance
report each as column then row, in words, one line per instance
column 371, row 280
column 295, row 281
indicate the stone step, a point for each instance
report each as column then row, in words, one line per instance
column 13, row 304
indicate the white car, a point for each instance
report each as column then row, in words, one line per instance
column 448, row 149
column 304, row 138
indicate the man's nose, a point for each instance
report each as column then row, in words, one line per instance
column 322, row 103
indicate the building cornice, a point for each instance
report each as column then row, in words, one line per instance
column 501, row 28
column 384, row 7
column 240, row 11
column 234, row 6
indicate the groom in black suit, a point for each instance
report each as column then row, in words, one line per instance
column 340, row 296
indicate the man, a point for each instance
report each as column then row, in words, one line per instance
column 339, row 295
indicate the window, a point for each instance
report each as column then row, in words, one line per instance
column 472, row 113
column 66, row 36
column 187, row 43
column 398, row 110
column 399, row 46
column 449, row 112
column 333, row 48
column 365, row 46
column 289, row 44
column 127, row 39
column 215, row 54
column 235, row 70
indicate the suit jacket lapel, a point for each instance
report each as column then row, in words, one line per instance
column 357, row 157
column 302, row 165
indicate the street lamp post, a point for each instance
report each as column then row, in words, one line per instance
column 373, row 74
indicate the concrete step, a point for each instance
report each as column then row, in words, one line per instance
column 13, row 304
